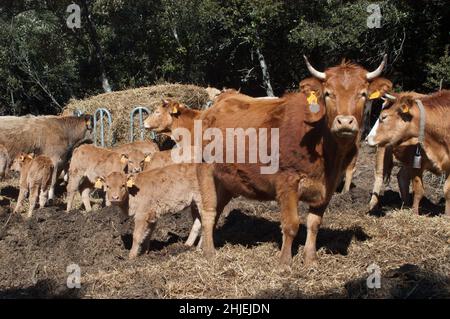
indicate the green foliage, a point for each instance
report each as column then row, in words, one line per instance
column 43, row 63
column 439, row 74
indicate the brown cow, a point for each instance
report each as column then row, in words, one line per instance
column 404, row 153
column 4, row 161
column 88, row 162
column 314, row 151
column 148, row 195
column 171, row 115
column 402, row 121
column 53, row 136
column 35, row 177
column 377, row 88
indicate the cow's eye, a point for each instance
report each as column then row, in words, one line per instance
column 363, row 94
column 329, row 94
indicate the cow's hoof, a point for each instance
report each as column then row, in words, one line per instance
column 310, row 260
column 285, row 259
column 209, row 253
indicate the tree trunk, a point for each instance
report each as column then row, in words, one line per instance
column 265, row 72
column 98, row 50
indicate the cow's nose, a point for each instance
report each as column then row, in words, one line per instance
column 345, row 120
column 115, row 197
column 345, row 124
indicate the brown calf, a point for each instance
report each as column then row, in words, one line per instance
column 402, row 121
column 35, row 179
column 148, row 195
column 88, row 162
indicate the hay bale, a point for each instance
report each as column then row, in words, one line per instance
column 120, row 104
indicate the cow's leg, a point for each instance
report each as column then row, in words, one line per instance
column 43, row 197
column 418, row 191
column 447, row 196
column 196, row 226
column 34, row 194
column 85, row 197
column 403, row 179
column 313, row 222
column 22, row 194
column 208, row 207
column 351, row 168
column 72, row 188
column 287, row 195
column 378, row 178
column 51, row 193
column 144, row 224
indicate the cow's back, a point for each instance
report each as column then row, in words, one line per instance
column 300, row 143
column 146, row 147
column 156, row 188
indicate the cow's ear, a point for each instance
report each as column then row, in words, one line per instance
column 88, row 121
column 404, row 108
column 148, row 157
column 165, row 103
column 123, row 158
column 175, row 108
column 21, row 158
column 30, row 156
column 99, row 182
column 309, row 85
column 378, row 87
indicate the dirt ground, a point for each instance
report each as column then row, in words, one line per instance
column 412, row 252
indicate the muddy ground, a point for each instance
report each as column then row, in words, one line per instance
column 412, row 252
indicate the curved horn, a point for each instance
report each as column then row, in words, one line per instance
column 314, row 72
column 372, row 75
column 390, row 97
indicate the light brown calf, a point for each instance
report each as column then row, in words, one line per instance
column 137, row 152
column 401, row 122
column 35, row 179
column 88, row 162
column 148, row 195
column 4, row 161
column 146, row 147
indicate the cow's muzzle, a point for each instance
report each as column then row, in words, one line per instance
column 345, row 126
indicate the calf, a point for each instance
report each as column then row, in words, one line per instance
column 4, row 161
column 35, row 179
column 88, row 162
column 148, row 195
column 405, row 120
column 146, row 147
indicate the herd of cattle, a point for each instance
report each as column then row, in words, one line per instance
column 320, row 130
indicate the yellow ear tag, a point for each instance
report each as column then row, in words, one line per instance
column 98, row 183
column 312, row 98
column 130, row 183
column 405, row 109
column 375, row 95
column 174, row 110
column 147, row 158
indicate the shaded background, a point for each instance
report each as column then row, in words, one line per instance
column 44, row 63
